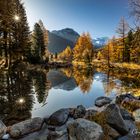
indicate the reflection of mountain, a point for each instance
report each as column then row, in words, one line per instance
column 60, row 81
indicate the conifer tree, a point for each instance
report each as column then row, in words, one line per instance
column 135, row 48
column 66, row 54
column 122, row 30
column 129, row 40
column 38, row 46
column 14, row 30
column 135, row 5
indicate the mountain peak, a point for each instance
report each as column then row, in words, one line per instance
column 100, row 41
column 67, row 33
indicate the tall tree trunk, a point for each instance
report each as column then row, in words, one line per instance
column 5, row 48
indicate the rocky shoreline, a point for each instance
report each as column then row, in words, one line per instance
column 107, row 120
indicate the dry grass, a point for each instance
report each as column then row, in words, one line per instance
column 131, row 106
column 129, row 66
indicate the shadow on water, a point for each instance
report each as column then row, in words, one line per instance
column 26, row 93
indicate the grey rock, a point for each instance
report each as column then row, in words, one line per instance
column 129, row 137
column 114, row 119
column 136, row 115
column 90, row 114
column 126, row 115
column 79, row 112
column 82, row 129
column 38, row 135
column 59, row 117
column 113, row 134
column 25, row 127
column 130, row 125
column 58, row 135
column 101, row 101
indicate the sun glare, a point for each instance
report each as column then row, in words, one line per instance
column 17, row 18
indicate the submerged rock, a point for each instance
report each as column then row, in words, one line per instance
column 82, row 129
column 25, row 127
column 101, row 101
column 59, row 117
column 114, row 119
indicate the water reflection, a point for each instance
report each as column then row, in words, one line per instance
column 28, row 93
column 16, row 99
column 40, row 84
column 84, row 78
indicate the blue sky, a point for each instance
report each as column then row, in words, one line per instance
column 98, row 17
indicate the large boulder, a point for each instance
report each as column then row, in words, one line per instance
column 59, row 117
column 82, row 129
column 25, row 127
column 101, row 101
column 114, row 119
column 38, row 135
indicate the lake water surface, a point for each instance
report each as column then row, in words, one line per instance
column 38, row 93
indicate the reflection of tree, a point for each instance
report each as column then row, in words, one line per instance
column 67, row 72
column 41, row 85
column 129, row 81
column 84, row 78
column 16, row 100
column 108, row 84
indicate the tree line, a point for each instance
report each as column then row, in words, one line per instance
column 126, row 48
column 17, row 42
